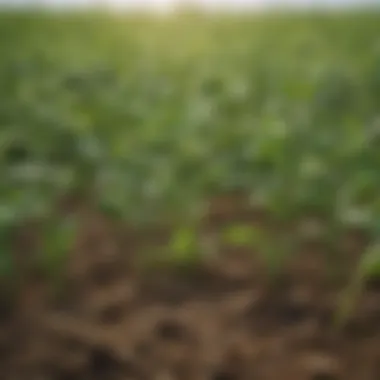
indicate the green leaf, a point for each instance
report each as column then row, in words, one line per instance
column 370, row 263
column 242, row 235
column 183, row 244
column 58, row 239
column 368, row 268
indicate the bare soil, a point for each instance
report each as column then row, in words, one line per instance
column 223, row 319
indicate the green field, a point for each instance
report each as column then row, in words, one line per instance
column 153, row 117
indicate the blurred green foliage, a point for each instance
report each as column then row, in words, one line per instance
column 155, row 115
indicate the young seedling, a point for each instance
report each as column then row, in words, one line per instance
column 6, row 263
column 368, row 268
column 184, row 246
column 274, row 249
column 58, row 238
column 241, row 235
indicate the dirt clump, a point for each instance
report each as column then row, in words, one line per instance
column 223, row 320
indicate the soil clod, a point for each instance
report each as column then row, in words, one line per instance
column 219, row 321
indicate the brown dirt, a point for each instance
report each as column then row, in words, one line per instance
column 224, row 320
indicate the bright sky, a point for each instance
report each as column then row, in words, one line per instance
column 164, row 4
